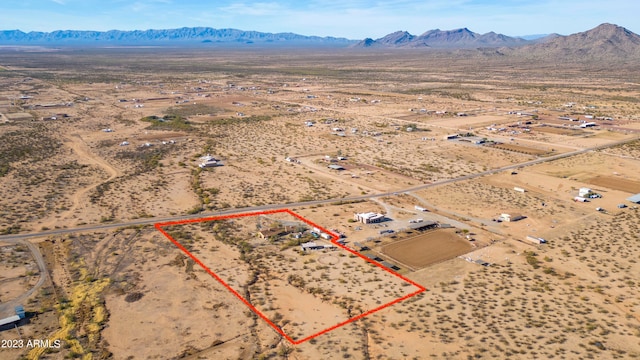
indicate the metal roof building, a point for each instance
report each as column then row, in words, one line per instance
column 389, row 265
column 635, row 199
column 360, row 246
column 20, row 314
column 374, row 257
column 423, row 225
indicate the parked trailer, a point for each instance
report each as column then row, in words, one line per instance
column 420, row 208
column 536, row 240
column 519, row 189
column 580, row 199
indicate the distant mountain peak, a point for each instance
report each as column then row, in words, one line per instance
column 605, row 41
column 608, row 27
column 396, row 38
column 368, row 42
column 607, row 30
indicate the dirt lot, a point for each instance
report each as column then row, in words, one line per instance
column 427, row 249
column 616, row 183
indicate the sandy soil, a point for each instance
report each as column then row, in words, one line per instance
column 424, row 250
column 130, row 293
column 292, row 293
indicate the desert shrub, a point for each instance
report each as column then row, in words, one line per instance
column 32, row 143
column 146, row 159
column 532, row 259
column 133, row 297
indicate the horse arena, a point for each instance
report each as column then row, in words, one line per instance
column 428, row 248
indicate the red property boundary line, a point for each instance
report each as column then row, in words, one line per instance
column 334, row 240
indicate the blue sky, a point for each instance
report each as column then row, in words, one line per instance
column 354, row 19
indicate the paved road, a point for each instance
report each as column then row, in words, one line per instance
column 153, row 220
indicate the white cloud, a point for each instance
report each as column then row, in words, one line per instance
column 355, row 19
column 255, row 9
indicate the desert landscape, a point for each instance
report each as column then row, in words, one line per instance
column 468, row 205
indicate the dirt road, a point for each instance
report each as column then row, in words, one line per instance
column 79, row 198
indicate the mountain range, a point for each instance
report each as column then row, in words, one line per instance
column 447, row 39
column 606, row 41
column 602, row 42
column 179, row 36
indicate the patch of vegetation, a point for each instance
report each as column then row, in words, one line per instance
column 430, row 168
column 133, row 297
column 33, row 144
column 81, row 316
column 146, row 159
column 167, row 122
column 13, row 229
column 185, row 111
column 532, row 259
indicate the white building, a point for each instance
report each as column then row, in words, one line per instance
column 369, row 218
column 511, row 217
column 584, row 191
column 211, row 163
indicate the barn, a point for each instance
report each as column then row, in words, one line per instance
column 635, row 198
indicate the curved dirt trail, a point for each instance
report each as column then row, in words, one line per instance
column 78, row 199
column 6, row 308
